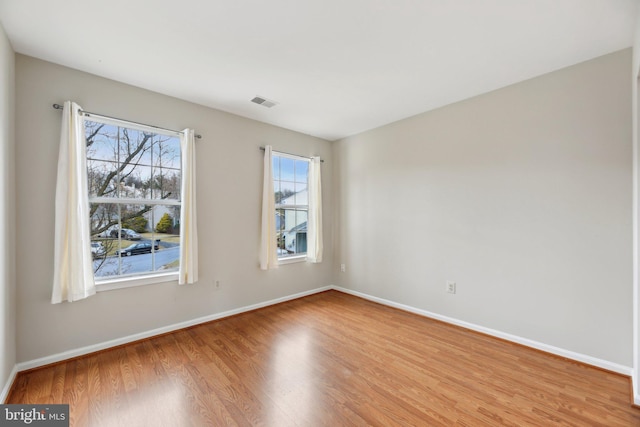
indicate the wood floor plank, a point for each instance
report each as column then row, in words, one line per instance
column 328, row 359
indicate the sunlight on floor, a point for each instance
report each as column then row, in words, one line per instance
column 292, row 382
column 161, row 404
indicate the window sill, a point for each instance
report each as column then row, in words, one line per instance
column 130, row 282
column 292, row 260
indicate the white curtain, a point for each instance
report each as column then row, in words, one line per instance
column 268, row 246
column 314, row 224
column 188, row 224
column 73, row 264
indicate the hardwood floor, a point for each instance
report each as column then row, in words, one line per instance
column 328, row 359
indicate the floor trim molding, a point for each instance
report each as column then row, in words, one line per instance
column 7, row 387
column 54, row 358
column 47, row 360
column 583, row 358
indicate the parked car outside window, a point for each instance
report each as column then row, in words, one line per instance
column 137, row 248
column 125, row 233
column 97, row 250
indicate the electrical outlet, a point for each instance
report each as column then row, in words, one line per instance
column 451, row 287
column 216, row 285
column 343, row 268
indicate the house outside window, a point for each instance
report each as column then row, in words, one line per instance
column 291, row 181
column 134, row 182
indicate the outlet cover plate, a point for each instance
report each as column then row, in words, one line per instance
column 451, row 287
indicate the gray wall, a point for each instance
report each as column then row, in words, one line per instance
column 521, row 196
column 7, row 216
column 636, row 195
column 229, row 176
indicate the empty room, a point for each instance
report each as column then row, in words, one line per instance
column 319, row 213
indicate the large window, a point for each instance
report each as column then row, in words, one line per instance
column 291, row 183
column 134, row 180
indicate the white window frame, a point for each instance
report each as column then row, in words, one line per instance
column 127, row 281
column 302, row 257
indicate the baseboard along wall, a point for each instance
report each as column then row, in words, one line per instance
column 47, row 360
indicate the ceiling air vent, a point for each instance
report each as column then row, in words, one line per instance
column 264, row 102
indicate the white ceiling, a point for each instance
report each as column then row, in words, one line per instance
column 335, row 67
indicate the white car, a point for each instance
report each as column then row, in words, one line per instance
column 97, row 250
column 125, row 233
column 107, row 233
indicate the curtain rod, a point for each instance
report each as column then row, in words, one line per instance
column 60, row 107
column 291, row 154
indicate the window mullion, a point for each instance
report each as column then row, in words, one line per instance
column 297, row 207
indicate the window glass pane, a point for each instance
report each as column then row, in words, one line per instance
column 287, row 192
column 287, row 169
column 276, row 191
column 301, row 231
column 104, row 216
column 301, row 196
column 166, row 219
column 165, row 184
column 101, row 141
column 286, row 237
column 166, row 172
column 302, row 171
column 134, row 181
column 301, row 220
column 166, row 235
column 166, row 152
column 276, row 167
column 279, row 220
column 105, row 267
column 102, row 178
column 104, row 221
column 135, row 145
column 293, row 239
column 134, row 218
column 279, row 231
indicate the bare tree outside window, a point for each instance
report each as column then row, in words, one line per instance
column 134, row 179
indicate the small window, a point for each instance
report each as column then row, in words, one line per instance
column 291, row 181
column 134, row 181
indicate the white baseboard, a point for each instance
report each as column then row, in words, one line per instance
column 31, row 364
column 5, row 390
column 603, row 364
column 634, row 388
column 593, row 361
